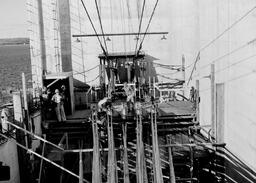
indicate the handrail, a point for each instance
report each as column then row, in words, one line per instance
column 45, row 159
column 34, row 135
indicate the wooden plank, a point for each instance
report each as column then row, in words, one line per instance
column 153, row 148
column 125, row 155
column 197, row 101
column 26, row 119
column 188, row 145
column 149, row 85
column 191, row 169
column 140, row 158
column 220, row 112
column 112, row 171
column 101, row 73
column 154, row 87
column 17, row 106
column 158, row 177
column 81, row 171
column 41, row 163
column 183, row 74
column 139, row 173
column 96, row 166
column 213, row 101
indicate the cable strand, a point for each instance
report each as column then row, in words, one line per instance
column 219, row 36
column 88, row 15
column 151, row 17
column 138, row 35
column 101, row 26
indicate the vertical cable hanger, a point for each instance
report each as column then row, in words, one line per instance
column 123, row 23
column 140, row 23
column 130, row 27
column 81, row 41
column 149, row 22
column 101, row 26
column 89, row 17
column 111, row 21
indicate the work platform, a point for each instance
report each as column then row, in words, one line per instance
column 171, row 140
column 178, row 133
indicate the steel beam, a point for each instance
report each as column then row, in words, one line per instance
column 119, row 34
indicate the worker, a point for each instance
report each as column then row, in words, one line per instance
column 129, row 92
column 64, row 94
column 138, row 108
column 192, row 94
column 59, row 107
column 5, row 114
column 161, row 99
column 102, row 104
column 45, row 102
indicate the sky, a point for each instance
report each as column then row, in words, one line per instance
column 13, row 23
column 170, row 16
column 13, row 19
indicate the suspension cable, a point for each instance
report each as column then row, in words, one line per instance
column 101, row 26
column 111, row 18
column 137, row 38
column 152, row 14
column 87, row 13
column 129, row 21
column 121, row 5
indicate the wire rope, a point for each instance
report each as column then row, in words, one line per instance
column 219, row 36
column 101, row 26
column 149, row 22
column 89, row 17
column 140, row 23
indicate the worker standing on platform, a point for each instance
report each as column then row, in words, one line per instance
column 64, row 94
column 59, row 107
column 130, row 95
column 102, row 104
column 5, row 114
column 45, row 102
column 192, row 94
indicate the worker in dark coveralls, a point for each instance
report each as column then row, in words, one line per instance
column 59, row 107
column 46, row 103
column 64, row 94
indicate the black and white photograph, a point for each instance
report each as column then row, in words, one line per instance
column 128, row 91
